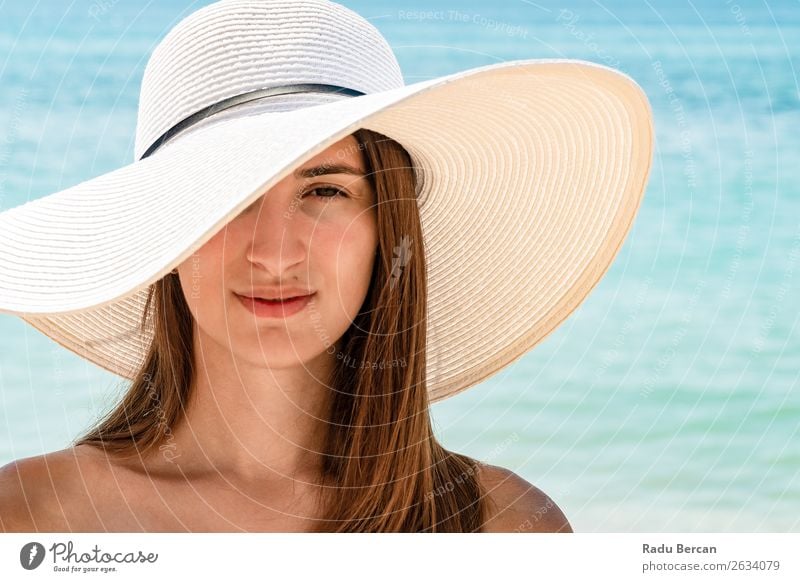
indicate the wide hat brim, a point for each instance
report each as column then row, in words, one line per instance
column 531, row 173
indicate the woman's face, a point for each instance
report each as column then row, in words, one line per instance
column 315, row 230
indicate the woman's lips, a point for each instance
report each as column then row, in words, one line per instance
column 275, row 309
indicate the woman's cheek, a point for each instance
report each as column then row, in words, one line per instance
column 201, row 273
column 358, row 246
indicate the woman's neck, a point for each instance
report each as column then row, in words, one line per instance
column 249, row 422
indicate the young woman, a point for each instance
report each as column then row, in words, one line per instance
column 247, row 418
column 282, row 370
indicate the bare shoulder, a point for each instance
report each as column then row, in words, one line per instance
column 515, row 505
column 33, row 490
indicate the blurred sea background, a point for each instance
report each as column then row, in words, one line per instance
column 669, row 401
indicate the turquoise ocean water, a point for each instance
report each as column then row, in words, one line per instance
column 669, row 401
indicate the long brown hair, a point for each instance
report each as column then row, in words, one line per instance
column 383, row 468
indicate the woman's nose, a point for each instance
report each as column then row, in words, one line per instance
column 276, row 238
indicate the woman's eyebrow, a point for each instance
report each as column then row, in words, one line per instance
column 337, row 168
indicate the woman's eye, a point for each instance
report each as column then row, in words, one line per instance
column 328, row 192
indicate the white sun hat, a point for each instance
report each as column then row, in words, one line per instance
column 530, row 175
